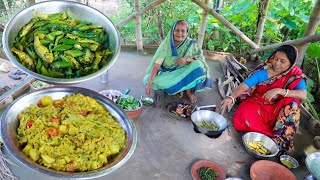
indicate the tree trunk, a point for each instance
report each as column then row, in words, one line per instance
column 140, row 12
column 227, row 24
column 203, row 26
column 159, row 25
column 262, row 17
column 296, row 42
column 310, row 30
column 138, row 26
column 6, row 5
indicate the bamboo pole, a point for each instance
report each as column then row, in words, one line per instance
column 296, row 42
column 310, row 30
column 142, row 11
column 138, row 26
column 264, row 5
column 31, row 2
column 203, row 26
column 6, row 5
column 227, row 24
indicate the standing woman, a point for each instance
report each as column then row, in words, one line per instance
column 273, row 92
column 178, row 65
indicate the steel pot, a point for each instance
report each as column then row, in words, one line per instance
column 209, row 116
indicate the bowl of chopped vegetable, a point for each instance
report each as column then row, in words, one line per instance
column 208, row 122
column 146, row 100
column 131, row 105
column 61, row 42
column 259, row 145
column 207, row 170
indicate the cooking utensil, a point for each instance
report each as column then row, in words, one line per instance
column 264, row 169
column 112, row 94
column 80, row 11
column 206, row 163
column 147, row 98
column 289, row 161
column 267, row 143
column 313, row 164
column 208, row 116
column 10, row 122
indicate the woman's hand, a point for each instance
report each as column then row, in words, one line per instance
column 148, row 89
column 181, row 61
column 273, row 93
column 226, row 101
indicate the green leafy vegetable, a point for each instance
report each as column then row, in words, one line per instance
column 206, row 173
column 147, row 102
column 127, row 102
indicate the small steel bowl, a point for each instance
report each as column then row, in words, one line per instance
column 146, row 98
column 267, row 143
column 111, row 94
column 291, row 160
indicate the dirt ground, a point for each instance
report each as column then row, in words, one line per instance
column 167, row 147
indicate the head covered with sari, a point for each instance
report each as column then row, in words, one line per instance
column 171, row 52
column 293, row 75
column 173, row 78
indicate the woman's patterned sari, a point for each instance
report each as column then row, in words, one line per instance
column 277, row 119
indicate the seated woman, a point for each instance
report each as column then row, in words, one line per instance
column 273, row 91
column 178, row 65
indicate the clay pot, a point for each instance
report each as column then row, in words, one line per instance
column 269, row 170
column 205, row 163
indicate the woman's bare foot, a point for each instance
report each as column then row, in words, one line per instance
column 180, row 94
column 192, row 98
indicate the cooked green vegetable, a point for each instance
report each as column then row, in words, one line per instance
column 44, row 44
column 206, row 173
column 127, row 102
column 147, row 102
column 208, row 125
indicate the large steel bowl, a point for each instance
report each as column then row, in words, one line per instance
column 209, row 116
column 9, row 125
column 267, row 143
column 80, row 11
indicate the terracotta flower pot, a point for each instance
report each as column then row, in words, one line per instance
column 269, row 170
column 205, row 163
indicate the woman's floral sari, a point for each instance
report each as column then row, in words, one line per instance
column 280, row 117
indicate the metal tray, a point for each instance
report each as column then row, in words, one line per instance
column 9, row 125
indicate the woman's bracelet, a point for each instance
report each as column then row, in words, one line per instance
column 233, row 100
column 285, row 94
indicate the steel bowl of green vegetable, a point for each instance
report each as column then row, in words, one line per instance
column 131, row 105
column 147, row 100
column 61, row 42
column 208, row 122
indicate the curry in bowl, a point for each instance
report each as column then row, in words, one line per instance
column 73, row 134
column 59, row 45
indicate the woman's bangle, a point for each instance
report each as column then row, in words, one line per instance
column 233, row 100
column 285, row 94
